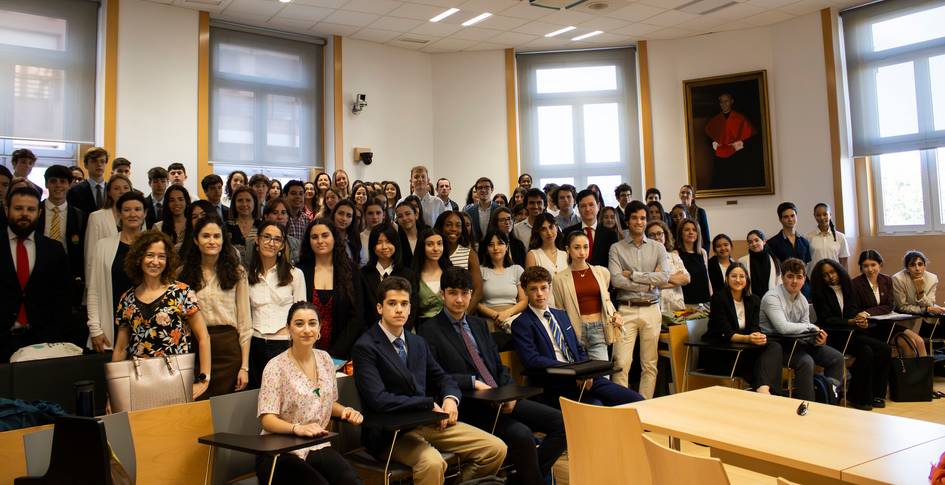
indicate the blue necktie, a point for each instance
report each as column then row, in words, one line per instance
column 559, row 336
column 401, row 349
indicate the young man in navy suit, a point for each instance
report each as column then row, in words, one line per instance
column 464, row 348
column 544, row 337
column 64, row 224
column 396, row 372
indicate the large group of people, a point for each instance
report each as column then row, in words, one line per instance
column 268, row 282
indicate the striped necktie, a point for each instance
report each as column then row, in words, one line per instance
column 55, row 225
column 559, row 336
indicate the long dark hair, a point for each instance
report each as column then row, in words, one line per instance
column 188, row 243
column 351, row 233
column 534, row 241
column 341, row 264
column 441, row 223
column 819, row 289
column 420, row 254
column 283, row 265
column 167, row 224
column 833, row 229
column 737, row 265
column 236, row 193
column 484, row 258
column 414, row 202
column 229, row 180
column 680, row 244
column 387, row 230
column 228, row 269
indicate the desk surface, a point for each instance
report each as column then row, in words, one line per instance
column 401, row 420
column 826, row 441
column 907, row 467
column 265, row 444
column 510, row 392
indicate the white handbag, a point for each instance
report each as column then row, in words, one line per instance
column 142, row 383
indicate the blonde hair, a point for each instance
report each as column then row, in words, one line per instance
column 419, row 168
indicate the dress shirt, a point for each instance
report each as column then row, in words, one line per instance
column 784, row 313
column 484, row 215
column 219, row 209
column 270, row 303
column 221, row 307
column 30, row 245
column 822, row 246
column 783, row 249
column 546, row 324
column 522, row 231
column 296, row 226
column 63, row 214
column 564, row 221
column 432, row 208
column 649, row 262
column 838, row 292
column 391, row 337
column 92, row 185
column 382, row 271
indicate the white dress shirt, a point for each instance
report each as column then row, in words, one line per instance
column 269, row 303
column 30, row 244
column 63, row 214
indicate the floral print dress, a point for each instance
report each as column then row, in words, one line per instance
column 160, row 327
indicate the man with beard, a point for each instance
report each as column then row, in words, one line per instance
column 34, row 279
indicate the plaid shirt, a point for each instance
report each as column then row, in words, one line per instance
column 296, row 226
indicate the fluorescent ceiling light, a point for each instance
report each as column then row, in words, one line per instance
column 477, row 19
column 561, row 31
column 444, row 15
column 589, row 34
column 284, row 1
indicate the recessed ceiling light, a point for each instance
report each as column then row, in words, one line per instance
column 589, row 34
column 444, row 15
column 477, row 19
column 284, row 1
column 561, row 31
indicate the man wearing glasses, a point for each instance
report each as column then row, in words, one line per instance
column 481, row 212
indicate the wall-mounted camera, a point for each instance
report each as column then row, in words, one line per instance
column 360, row 101
column 364, row 155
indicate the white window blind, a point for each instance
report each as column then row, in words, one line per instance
column 895, row 57
column 47, row 69
column 264, row 101
column 578, row 115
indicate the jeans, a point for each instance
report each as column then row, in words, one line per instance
column 593, row 341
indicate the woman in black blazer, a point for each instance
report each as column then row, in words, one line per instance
column 875, row 294
column 384, row 255
column 718, row 264
column 836, row 307
column 334, row 286
column 734, row 318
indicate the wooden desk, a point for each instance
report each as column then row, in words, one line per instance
column 907, row 467
column 765, row 434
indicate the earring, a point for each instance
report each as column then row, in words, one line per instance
column 280, row 254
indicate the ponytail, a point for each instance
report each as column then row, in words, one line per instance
column 833, row 230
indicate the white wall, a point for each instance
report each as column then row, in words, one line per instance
column 469, row 130
column 792, row 53
column 397, row 124
column 157, row 89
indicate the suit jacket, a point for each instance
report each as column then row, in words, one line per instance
column 82, row 197
column 150, row 216
column 450, row 352
column 604, row 238
column 828, row 311
column 347, row 321
column 47, row 294
column 716, row 276
column 536, row 351
column 387, row 385
column 473, row 212
column 723, row 320
column 75, row 243
column 370, row 279
column 866, row 298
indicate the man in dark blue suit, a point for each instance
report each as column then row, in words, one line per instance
column 463, row 347
column 481, row 212
column 544, row 337
column 396, row 372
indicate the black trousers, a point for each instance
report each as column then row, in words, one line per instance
column 760, row 367
column 325, row 466
column 515, row 429
column 869, row 373
column 261, row 351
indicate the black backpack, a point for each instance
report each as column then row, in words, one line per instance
column 825, row 390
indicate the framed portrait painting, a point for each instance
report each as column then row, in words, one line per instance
column 728, row 134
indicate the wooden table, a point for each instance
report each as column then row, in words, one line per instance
column 907, row 467
column 765, row 434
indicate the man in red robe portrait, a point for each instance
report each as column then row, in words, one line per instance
column 731, row 133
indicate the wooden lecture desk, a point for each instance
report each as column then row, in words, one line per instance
column 907, row 467
column 765, row 434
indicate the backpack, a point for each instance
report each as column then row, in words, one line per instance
column 16, row 414
column 825, row 391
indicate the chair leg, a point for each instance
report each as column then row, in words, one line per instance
column 390, row 454
column 685, row 381
column 272, row 471
column 206, row 477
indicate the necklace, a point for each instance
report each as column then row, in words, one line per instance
column 582, row 273
column 317, row 391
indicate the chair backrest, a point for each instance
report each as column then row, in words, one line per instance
column 349, row 436
column 37, row 447
column 6, row 381
column 678, row 336
column 234, row 413
column 813, row 313
column 166, row 448
column 604, row 444
column 78, row 452
column 671, row 467
column 118, row 432
column 783, row 481
column 510, row 359
column 697, row 329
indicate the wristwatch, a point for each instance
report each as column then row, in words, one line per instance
column 201, row 378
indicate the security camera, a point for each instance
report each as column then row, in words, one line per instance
column 363, row 155
column 360, row 101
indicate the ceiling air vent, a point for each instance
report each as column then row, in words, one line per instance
column 703, row 7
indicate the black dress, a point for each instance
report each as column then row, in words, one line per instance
column 697, row 291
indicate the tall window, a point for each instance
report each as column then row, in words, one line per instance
column 579, row 119
column 47, row 70
column 264, row 102
column 895, row 56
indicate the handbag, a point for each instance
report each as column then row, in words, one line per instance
column 910, row 380
column 142, row 383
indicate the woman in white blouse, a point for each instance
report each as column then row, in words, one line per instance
column 274, row 285
column 214, row 272
column 299, row 396
column 104, row 222
column 826, row 242
column 671, row 295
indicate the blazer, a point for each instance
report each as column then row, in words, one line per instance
column 604, row 238
column 473, row 212
column 75, row 246
column 101, row 224
column 566, row 297
column 47, row 294
column 450, row 352
column 101, row 308
column 371, row 279
column 347, row 320
column 387, row 385
column 828, row 311
column 723, row 319
column 904, row 292
column 150, row 214
column 716, row 277
column 866, row 298
column 536, row 351
column 82, row 197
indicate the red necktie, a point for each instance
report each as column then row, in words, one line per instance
column 23, row 274
column 590, row 240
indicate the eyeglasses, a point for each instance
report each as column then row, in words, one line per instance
column 655, row 234
column 267, row 239
column 504, row 220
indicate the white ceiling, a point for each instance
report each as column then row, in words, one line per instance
column 514, row 23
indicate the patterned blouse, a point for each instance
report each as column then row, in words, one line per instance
column 288, row 393
column 159, row 327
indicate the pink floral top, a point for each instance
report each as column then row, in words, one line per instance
column 291, row 395
column 159, row 327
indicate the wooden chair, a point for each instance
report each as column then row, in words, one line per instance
column 165, row 440
column 604, row 445
column 671, row 467
column 696, row 329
